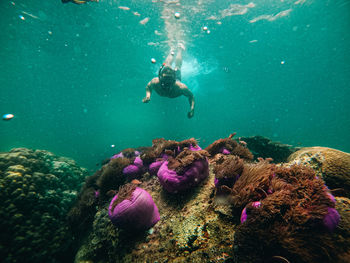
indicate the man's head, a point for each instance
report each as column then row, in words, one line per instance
column 167, row 76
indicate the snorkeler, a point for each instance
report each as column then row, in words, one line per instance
column 78, row 2
column 168, row 83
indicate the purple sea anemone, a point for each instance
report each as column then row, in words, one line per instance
column 195, row 148
column 133, row 208
column 331, row 219
column 134, row 169
column 225, row 151
column 331, row 197
column 191, row 176
column 119, row 155
column 244, row 215
column 154, row 167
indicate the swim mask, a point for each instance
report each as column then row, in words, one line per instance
column 167, row 76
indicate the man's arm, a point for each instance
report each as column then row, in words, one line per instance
column 186, row 92
column 148, row 91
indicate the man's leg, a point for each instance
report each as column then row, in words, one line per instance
column 170, row 58
column 178, row 60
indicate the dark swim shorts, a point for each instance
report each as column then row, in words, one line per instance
column 178, row 74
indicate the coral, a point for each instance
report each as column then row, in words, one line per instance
column 82, row 213
column 341, row 240
column 185, row 171
column 265, row 148
column 37, row 189
column 229, row 146
column 100, row 240
column 133, row 208
column 331, row 165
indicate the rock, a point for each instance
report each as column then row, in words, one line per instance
column 265, row 148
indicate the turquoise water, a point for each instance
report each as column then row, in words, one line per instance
column 74, row 75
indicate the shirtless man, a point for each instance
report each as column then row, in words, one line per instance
column 168, row 84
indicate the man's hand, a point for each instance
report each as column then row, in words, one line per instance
column 190, row 114
column 145, row 100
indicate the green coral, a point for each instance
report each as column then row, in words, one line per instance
column 37, row 189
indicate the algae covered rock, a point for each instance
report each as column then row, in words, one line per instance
column 265, row 148
column 37, row 190
column 331, row 165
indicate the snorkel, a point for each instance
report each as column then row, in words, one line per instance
column 167, row 76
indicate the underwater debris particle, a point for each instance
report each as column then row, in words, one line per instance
column 124, row 7
column 7, row 117
column 144, row 21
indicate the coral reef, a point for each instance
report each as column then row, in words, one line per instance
column 243, row 211
column 331, row 165
column 174, row 202
column 37, row 189
column 265, row 148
